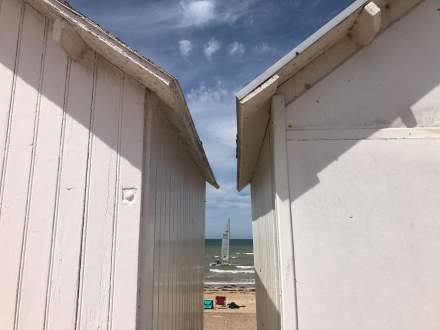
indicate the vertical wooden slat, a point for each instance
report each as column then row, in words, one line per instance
column 18, row 162
column 45, row 25
column 163, row 253
column 202, row 219
column 187, row 256
column 159, row 223
column 167, row 239
column 164, row 258
column 173, row 250
column 179, row 231
column 36, row 262
column 289, row 319
column 10, row 23
column 146, row 298
column 265, row 239
column 63, row 282
column 155, row 161
column 126, row 250
column 158, row 156
column 98, row 217
column 180, row 259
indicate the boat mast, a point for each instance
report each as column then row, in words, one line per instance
column 225, row 241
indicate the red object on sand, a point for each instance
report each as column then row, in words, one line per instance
column 220, row 300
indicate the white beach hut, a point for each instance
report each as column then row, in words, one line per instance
column 340, row 142
column 102, row 186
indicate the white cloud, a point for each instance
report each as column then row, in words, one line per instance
column 185, row 47
column 198, row 12
column 212, row 47
column 208, row 12
column 157, row 17
column 236, row 49
column 213, row 107
column 264, row 48
column 227, row 196
column 202, row 96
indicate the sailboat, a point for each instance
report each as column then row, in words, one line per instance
column 225, row 242
column 224, row 259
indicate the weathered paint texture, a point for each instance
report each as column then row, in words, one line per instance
column 86, row 163
column 265, row 233
column 361, row 149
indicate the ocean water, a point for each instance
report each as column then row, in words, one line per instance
column 240, row 269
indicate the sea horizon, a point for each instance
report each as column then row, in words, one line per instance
column 239, row 271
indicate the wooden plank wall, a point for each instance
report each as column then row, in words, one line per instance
column 171, row 266
column 71, row 146
column 264, row 229
column 362, row 183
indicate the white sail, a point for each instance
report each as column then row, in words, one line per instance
column 225, row 242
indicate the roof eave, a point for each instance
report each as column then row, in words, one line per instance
column 153, row 77
column 288, row 66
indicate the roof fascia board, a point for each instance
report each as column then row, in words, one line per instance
column 164, row 85
column 355, row 6
column 299, row 59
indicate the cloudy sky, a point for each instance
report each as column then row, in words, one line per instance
column 214, row 47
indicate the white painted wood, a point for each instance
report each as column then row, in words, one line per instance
column 147, row 263
column 44, row 189
column 76, row 249
column 367, row 25
column 98, row 219
column 252, row 126
column 69, row 40
column 18, row 160
column 360, row 176
column 143, row 70
column 10, row 20
column 362, row 170
column 379, row 88
column 288, row 303
column 126, row 237
column 365, row 134
column 307, row 64
column 177, row 189
column 65, row 259
column 324, row 64
column 366, row 233
column 265, row 234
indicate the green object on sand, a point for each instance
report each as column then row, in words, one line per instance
column 208, row 304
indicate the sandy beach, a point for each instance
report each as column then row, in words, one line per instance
column 231, row 319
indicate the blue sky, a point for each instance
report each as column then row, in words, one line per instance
column 214, row 47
